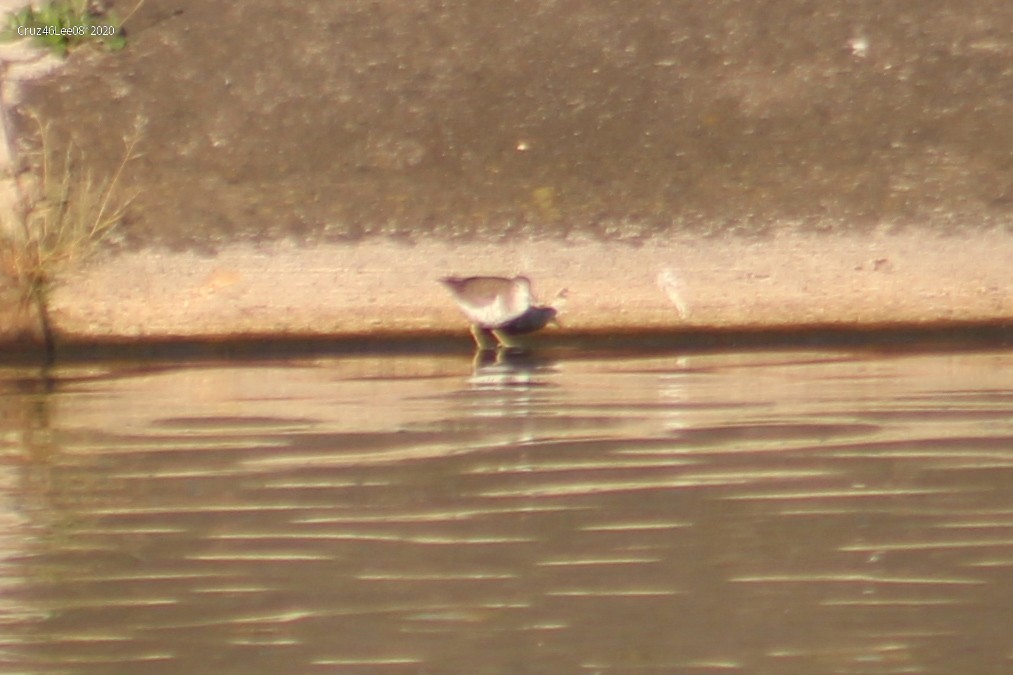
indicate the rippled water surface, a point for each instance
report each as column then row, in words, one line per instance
column 764, row 512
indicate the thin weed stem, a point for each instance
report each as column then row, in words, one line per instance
column 63, row 215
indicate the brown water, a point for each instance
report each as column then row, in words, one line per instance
column 777, row 512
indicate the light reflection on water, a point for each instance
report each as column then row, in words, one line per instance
column 788, row 512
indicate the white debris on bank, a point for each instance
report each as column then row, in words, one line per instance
column 672, row 287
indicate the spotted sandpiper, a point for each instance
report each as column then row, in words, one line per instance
column 500, row 307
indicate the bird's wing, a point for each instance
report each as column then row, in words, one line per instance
column 499, row 310
column 492, row 302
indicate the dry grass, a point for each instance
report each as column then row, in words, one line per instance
column 64, row 213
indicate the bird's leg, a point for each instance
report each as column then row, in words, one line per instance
column 482, row 339
column 505, row 341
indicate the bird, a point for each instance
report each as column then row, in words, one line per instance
column 500, row 308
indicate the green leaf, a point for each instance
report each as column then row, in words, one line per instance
column 116, row 42
column 59, row 15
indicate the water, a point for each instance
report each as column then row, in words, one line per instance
column 764, row 512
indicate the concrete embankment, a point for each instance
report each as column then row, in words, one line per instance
column 680, row 167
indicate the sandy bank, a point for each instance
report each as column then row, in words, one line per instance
column 383, row 287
